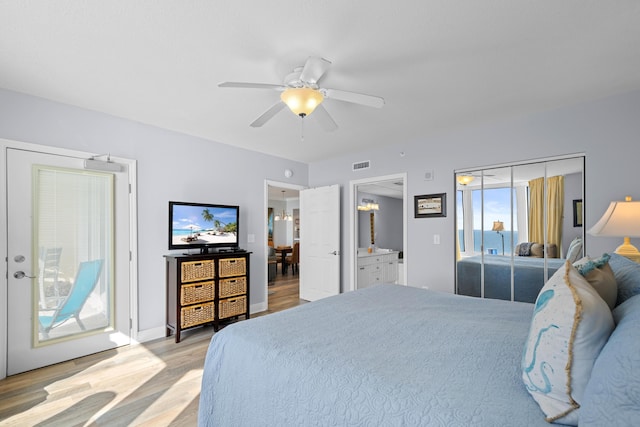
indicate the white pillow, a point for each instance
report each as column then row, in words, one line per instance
column 571, row 323
column 574, row 251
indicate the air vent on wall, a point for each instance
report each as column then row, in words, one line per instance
column 361, row 165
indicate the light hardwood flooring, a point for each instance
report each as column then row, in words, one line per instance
column 152, row 384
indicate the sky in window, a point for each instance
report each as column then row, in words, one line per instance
column 497, row 207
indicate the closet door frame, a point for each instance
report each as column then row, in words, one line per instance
column 518, row 199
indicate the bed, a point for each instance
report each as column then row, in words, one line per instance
column 400, row 356
column 528, row 276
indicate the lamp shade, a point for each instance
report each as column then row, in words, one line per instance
column 621, row 219
column 498, row 226
column 302, row 101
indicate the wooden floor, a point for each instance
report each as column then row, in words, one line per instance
column 152, row 384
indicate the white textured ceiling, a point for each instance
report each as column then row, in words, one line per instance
column 439, row 64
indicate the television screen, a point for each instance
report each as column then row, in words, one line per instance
column 201, row 225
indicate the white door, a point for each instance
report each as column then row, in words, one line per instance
column 320, row 242
column 68, row 259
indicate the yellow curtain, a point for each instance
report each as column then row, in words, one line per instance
column 536, row 210
column 554, row 208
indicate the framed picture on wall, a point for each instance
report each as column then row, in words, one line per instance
column 430, row 205
column 270, row 223
column 577, row 213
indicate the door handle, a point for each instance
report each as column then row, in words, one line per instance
column 22, row 275
column 334, row 253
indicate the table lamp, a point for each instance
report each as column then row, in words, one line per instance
column 621, row 219
column 498, row 226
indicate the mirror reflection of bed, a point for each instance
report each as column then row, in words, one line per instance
column 516, row 226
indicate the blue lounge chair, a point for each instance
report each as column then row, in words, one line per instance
column 86, row 280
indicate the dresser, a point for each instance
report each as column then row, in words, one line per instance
column 377, row 268
column 206, row 289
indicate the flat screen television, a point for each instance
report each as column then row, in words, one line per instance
column 202, row 226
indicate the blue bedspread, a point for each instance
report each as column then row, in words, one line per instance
column 528, row 276
column 386, row 355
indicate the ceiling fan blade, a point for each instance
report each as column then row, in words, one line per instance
column 314, row 69
column 324, row 118
column 251, row 85
column 353, row 97
column 267, row 115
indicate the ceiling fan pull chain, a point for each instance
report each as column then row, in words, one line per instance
column 301, row 128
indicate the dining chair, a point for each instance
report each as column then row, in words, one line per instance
column 294, row 258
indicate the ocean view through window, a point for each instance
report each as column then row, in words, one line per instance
column 497, row 207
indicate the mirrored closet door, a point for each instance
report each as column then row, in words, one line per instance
column 516, row 225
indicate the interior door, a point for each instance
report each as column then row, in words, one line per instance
column 320, row 242
column 68, row 263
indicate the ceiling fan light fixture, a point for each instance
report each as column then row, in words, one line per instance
column 301, row 101
column 465, row 179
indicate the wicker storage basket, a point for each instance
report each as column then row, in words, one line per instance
column 231, row 287
column 232, row 267
column 197, row 292
column 232, row 307
column 198, row 270
column 197, row 314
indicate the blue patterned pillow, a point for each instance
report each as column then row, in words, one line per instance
column 571, row 323
column 627, row 275
column 612, row 396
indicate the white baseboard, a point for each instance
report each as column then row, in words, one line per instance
column 149, row 334
column 257, row 308
column 159, row 332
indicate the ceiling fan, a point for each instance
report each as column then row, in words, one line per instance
column 302, row 94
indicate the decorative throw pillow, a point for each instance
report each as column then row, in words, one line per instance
column 599, row 274
column 627, row 275
column 537, row 250
column 574, row 252
column 570, row 325
column 611, row 396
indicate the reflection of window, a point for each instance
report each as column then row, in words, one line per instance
column 505, row 196
column 460, row 216
column 473, row 226
column 497, row 207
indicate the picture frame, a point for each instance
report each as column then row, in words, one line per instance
column 270, row 223
column 430, row 205
column 577, row 213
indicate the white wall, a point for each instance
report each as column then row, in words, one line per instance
column 607, row 131
column 171, row 166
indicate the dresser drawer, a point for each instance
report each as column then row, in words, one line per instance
column 232, row 267
column 197, row 292
column 232, row 307
column 231, row 287
column 197, row 314
column 192, row 271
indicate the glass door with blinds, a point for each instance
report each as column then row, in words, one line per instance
column 69, row 265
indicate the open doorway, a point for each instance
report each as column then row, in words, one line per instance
column 282, row 232
column 378, row 230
